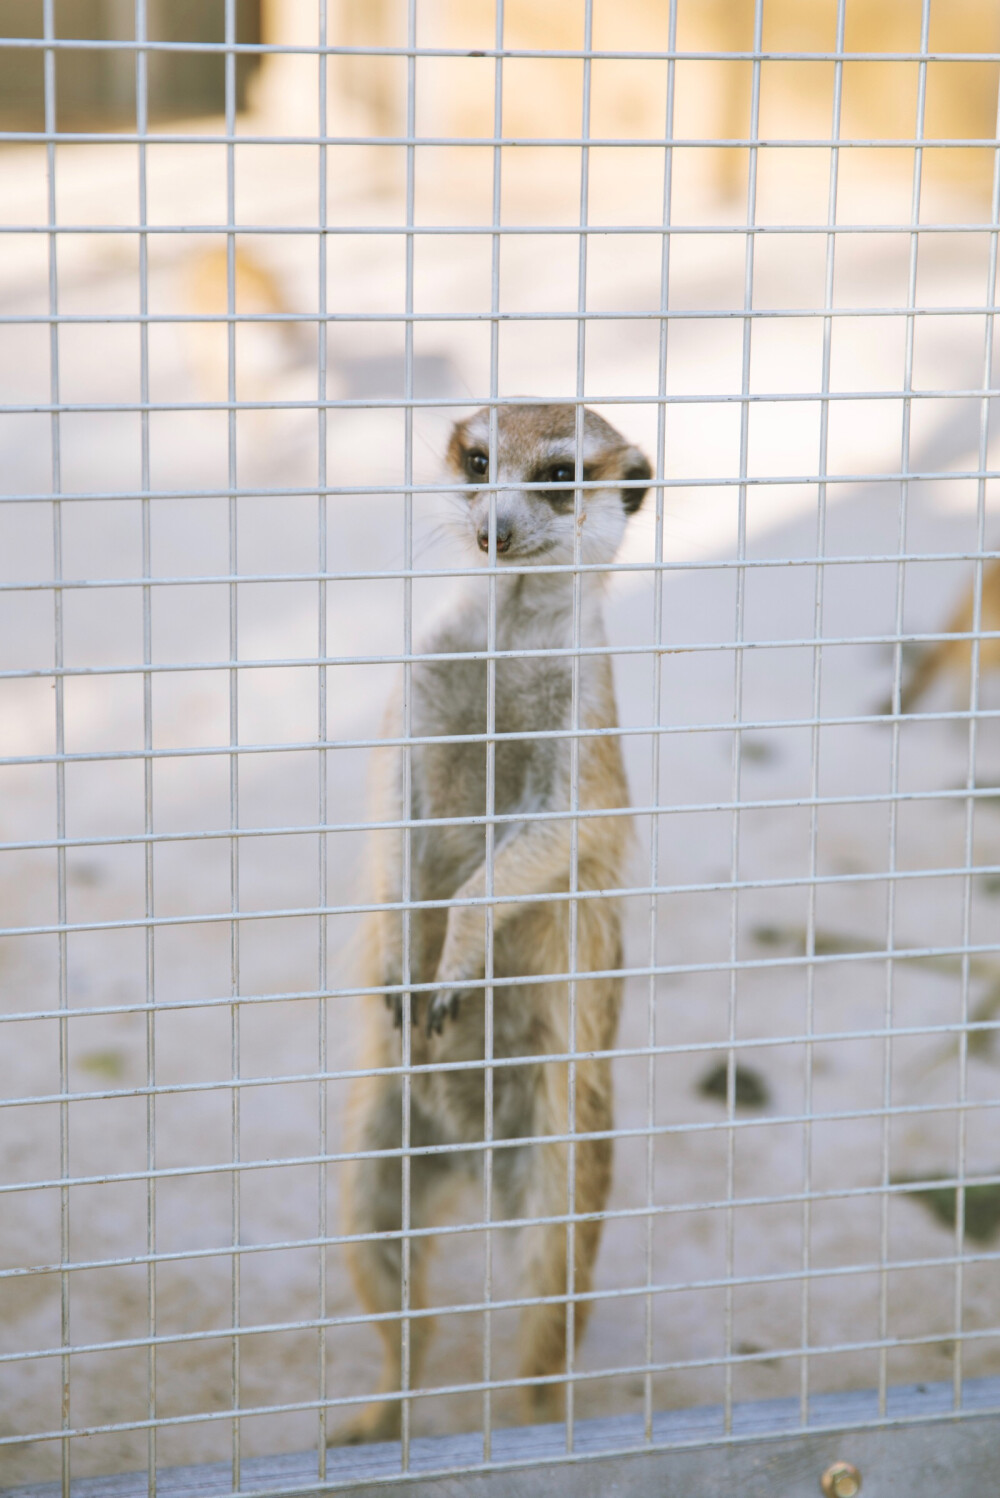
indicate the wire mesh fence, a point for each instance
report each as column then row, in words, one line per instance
column 320, row 887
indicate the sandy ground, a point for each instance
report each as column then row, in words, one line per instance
column 190, row 1042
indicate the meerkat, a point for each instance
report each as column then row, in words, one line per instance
column 956, row 655
column 534, row 694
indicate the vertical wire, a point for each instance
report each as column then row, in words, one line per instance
column 574, row 743
column 970, row 782
column 48, row 20
column 817, row 670
column 234, row 809
column 491, row 668
column 321, row 726
column 897, row 675
column 654, row 840
column 406, row 891
column 737, row 762
column 142, row 125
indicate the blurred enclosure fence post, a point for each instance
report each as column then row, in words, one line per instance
column 256, row 256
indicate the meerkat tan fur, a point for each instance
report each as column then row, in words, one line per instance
column 956, row 655
column 536, row 447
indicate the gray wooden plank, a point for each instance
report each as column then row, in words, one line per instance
column 691, row 1450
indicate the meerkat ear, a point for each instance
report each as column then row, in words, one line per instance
column 635, row 466
column 456, row 446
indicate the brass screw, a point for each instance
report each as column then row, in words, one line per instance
column 842, row 1480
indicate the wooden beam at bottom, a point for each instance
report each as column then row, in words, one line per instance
column 921, row 1446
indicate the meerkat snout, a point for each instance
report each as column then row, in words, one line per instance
column 537, row 464
column 504, row 534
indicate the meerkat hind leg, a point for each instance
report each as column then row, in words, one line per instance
column 374, row 1205
column 543, row 1330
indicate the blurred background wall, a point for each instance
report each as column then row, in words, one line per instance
column 543, row 98
column 96, row 87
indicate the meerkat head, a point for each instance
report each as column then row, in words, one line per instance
column 536, row 468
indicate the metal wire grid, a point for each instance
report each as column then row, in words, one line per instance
column 812, row 961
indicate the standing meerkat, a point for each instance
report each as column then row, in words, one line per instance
column 535, row 448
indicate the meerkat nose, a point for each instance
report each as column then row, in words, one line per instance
column 503, row 538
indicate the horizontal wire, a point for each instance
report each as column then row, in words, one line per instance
column 438, row 1068
column 716, row 314
column 300, row 746
column 667, row 970
column 348, row 1074
column 488, row 231
column 447, row 402
column 661, row 809
column 396, row 658
column 457, row 902
column 492, row 142
column 466, row 1147
column 303, row 995
column 576, row 1376
column 627, row 1292
column 673, row 1209
column 554, row 569
column 718, row 481
column 601, row 54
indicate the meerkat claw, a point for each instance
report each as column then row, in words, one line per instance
column 394, row 1003
column 443, row 1006
column 436, row 1014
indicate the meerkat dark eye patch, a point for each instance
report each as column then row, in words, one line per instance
column 477, row 464
column 561, row 500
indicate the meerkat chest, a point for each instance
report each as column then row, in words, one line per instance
column 452, row 779
column 532, row 698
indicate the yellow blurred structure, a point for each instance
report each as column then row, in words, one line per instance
column 543, row 97
column 263, row 348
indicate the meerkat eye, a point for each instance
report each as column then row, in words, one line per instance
column 477, row 464
column 562, row 473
